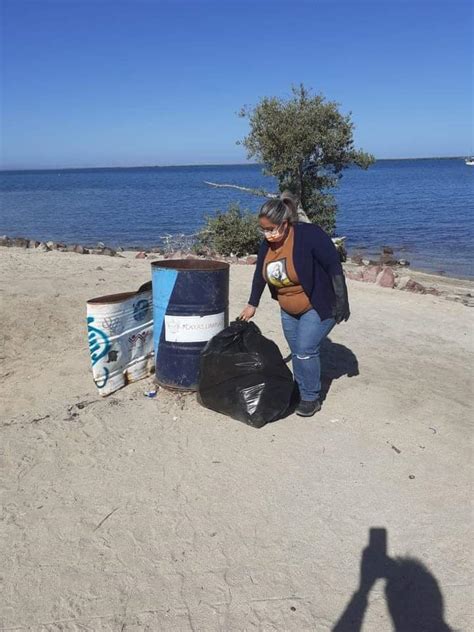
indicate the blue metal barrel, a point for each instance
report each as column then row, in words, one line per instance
column 190, row 306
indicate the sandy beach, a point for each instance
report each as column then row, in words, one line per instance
column 128, row 513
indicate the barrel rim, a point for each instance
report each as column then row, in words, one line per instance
column 122, row 296
column 175, row 388
column 191, row 265
column 111, row 298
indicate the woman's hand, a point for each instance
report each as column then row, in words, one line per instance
column 248, row 312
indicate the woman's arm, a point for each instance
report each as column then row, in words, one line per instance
column 325, row 252
column 258, row 282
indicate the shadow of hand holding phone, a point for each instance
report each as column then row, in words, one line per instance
column 414, row 599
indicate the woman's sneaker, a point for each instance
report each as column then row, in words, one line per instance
column 308, row 408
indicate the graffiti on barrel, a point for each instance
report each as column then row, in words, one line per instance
column 114, row 325
column 98, row 341
column 139, row 338
column 99, row 347
column 140, row 309
column 120, row 332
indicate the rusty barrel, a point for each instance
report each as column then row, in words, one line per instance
column 190, row 306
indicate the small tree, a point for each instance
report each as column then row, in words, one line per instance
column 305, row 142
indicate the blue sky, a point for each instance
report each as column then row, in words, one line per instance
column 152, row 82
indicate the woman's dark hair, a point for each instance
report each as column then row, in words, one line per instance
column 280, row 210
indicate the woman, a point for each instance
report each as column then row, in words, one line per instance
column 302, row 268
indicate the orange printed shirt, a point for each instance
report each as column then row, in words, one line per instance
column 279, row 271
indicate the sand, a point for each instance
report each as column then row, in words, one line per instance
column 127, row 513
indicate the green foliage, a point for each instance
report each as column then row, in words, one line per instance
column 231, row 232
column 306, row 143
column 321, row 209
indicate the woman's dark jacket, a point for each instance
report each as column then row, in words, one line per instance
column 316, row 262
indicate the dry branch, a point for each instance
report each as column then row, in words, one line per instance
column 259, row 192
column 302, row 217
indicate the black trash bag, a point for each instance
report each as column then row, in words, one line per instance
column 243, row 375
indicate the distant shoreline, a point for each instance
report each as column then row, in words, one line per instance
column 181, row 166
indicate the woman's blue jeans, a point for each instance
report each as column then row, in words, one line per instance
column 304, row 334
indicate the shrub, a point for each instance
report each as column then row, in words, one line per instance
column 229, row 232
column 235, row 231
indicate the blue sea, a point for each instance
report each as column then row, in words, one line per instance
column 422, row 208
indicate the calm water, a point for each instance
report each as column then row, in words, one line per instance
column 422, row 208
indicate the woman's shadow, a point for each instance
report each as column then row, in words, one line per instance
column 414, row 598
column 336, row 361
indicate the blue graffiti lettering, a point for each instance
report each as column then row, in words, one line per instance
column 99, row 343
column 105, row 379
column 140, row 309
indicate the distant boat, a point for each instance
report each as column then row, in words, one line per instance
column 470, row 161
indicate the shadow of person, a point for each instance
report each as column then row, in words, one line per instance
column 414, row 599
column 336, row 361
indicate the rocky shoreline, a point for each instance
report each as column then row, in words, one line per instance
column 45, row 246
column 386, row 272
column 101, row 249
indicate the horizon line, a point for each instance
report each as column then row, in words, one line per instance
column 196, row 164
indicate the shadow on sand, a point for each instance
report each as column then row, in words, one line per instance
column 336, row 361
column 414, row 598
